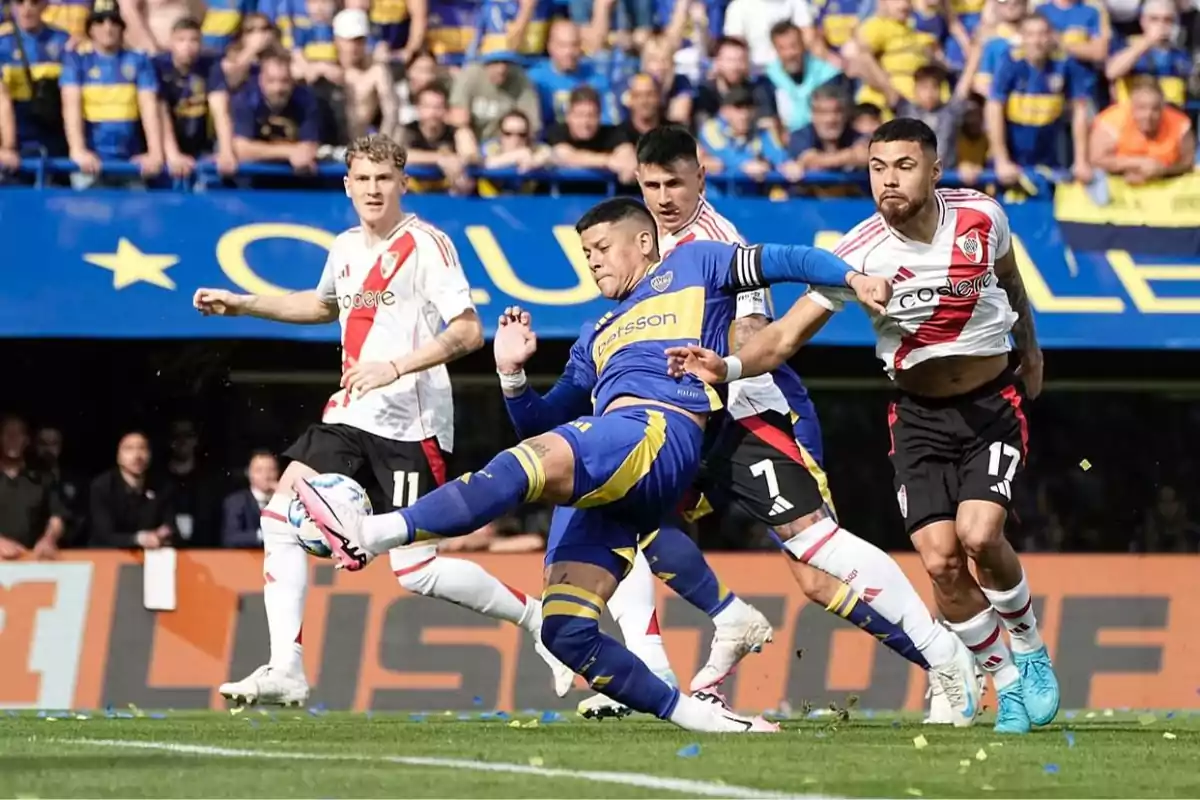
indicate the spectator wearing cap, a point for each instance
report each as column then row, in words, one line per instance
column 362, row 99
column 30, row 98
column 1152, row 53
column 31, row 511
column 432, row 142
column 110, row 103
column 733, row 139
column 274, row 119
column 192, row 88
column 567, row 68
column 731, row 69
column 828, row 143
column 1143, row 138
column 1082, row 27
column 582, row 142
column 796, row 73
column 487, row 90
column 1030, row 97
column 754, row 21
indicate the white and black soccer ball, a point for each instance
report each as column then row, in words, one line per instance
column 341, row 488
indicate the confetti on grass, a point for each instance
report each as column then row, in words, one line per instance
column 1147, row 719
column 920, row 742
column 1051, row 769
column 536, row 761
column 1168, row 735
column 690, row 751
column 1070, row 739
column 981, row 755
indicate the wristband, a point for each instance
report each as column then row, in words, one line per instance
column 512, row 381
column 733, row 369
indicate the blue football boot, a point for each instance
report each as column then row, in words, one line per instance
column 1011, row 716
column 1039, row 685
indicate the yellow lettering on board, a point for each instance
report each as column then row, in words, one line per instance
column 506, row 280
column 231, row 251
column 1137, row 282
column 1046, row 301
column 827, row 240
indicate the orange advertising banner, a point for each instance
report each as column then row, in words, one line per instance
column 75, row 634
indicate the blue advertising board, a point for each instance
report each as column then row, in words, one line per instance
column 125, row 265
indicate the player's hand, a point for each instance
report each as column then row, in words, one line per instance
column 361, row 377
column 148, row 540
column 1030, row 371
column 693, row 359
column 515, row 341
column 46, row 549
column 873, row 292
column 10, row 549
column 217, row 302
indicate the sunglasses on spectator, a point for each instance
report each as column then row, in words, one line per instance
column 257, row 29
column 521, row 133
column 26, row 2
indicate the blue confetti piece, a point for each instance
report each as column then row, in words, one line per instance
column 551, row 716
column 1051, row 769
column 895, row 723
column 41, row 715
column 1070, row 739
column 416, row 717
column 1071, row 714
column 477, row 700
column 1170, row 715
column 502, row 715
column 157, row 716
column 691, row 751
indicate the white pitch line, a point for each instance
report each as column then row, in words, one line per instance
column 680, row 785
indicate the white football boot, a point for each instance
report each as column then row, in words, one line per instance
column 267, row 686
column 730, row 644
column 955, row 690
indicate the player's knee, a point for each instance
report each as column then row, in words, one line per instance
column 572, row 640
column 980, row 527
column 944, row 565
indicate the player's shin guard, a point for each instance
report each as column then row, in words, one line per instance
column 873, row 574
column 981, row 634
column 678, row 562
column 285, row 572
column 461, row 506
column 571, row 631
column 848, row 604
column 632, row 606
column 1015, row 607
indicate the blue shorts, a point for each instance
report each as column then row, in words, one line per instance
column 632, row 467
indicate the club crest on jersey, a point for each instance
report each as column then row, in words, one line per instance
column 902, row 499
column 971, row 246
column 387, row 265
column 1054, row 83
column 662, row 282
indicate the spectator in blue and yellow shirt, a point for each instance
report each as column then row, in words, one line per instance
column 1029, row 100
column 1083, row 28
column 195, row 98
column 399, row 27
column 110, row 102
column 519, row 25
column 733, row 140
column 555, row 77
column 67, row 15
column 452, row 28
column 29, row 98
column 222, row 21
column 314, row 55
column 1152, row 53
column 997, row 36
column 274, row 119
column 828, row 143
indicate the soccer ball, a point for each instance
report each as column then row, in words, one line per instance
column 346, row 490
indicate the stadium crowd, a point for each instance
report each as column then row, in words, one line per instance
column 775, row 89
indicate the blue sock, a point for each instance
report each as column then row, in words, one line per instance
column 849, row 604
column 467, row 504
column 678, row 562
column 571, row 631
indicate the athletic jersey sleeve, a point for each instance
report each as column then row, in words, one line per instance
column 570, row 397
column 327, row 285
column 736, row 267
column 754, row 302
column 440, row 279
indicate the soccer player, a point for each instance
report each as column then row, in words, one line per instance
column 959, row 434
column 391, row 281
column 611, row 474
column 786, row 436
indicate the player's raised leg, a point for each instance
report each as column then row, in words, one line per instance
column 281, row 680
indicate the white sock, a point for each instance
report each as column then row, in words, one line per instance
column 632, row 606
column 1015, row 608
column 981, row 634
column 384, row 532
column 420, row 570
column 285, row 570
column 696, row 715
column 878, row 579
column 735, row 613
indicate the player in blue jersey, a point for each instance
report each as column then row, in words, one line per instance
column 611, row 475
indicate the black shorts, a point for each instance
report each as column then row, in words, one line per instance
column 947, row 450
column 394, row 473
column 756, row 464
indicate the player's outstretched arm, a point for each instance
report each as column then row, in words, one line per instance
column 767, row 264
column 532, row 413
column 301, row 308
column 1023, row 331
column 765, row 351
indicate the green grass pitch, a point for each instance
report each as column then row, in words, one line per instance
column 290, row 753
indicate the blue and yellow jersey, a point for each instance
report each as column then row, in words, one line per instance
column 45, row 51
column 733, row 151
column 497, row 17
column 313, row 39
column 390, row 21
column 1035, row 101
column 837, row 20
column 996, row 51
column 186, row 97
column 254, row 119
column 221, row 22
column 452, row 25
column 968, row 12
column 68, row 15
column 1077, row 22
column 554, row 88
column 286, row 14
column 900, row 50
column 110, row 85
column 1171, row 65
column 931, row 26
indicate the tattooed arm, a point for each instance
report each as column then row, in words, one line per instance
column 1023, row 331
column 463, row 335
